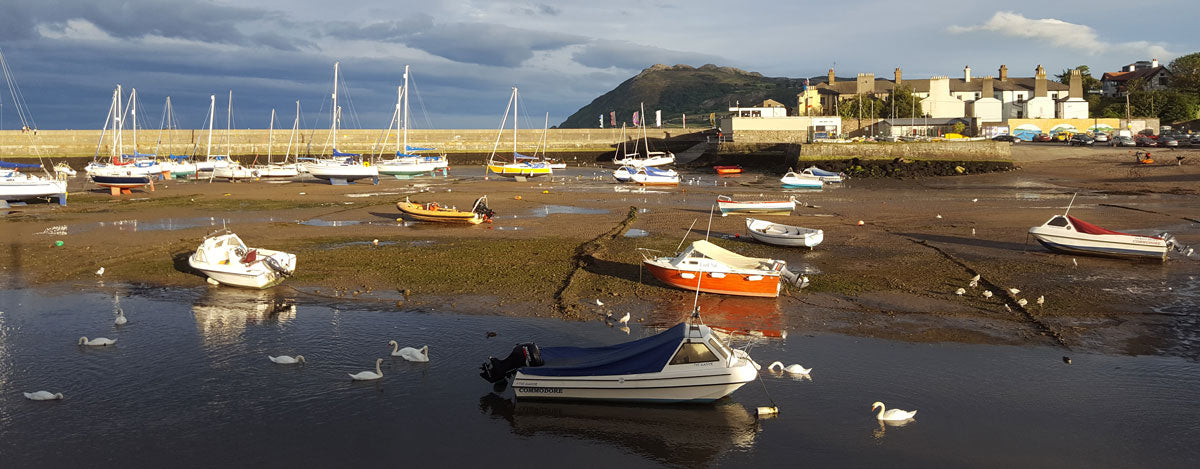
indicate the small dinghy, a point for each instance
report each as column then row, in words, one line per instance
column 762, row 207
column 724, row 170
column 710, row 268
column 784, row 235
column 624, row 174
column 224, row 258
column 791, row 180
column 825, row 176
column 651, row 176
column 431, row 211
column 686, row 363
column 1064, row 233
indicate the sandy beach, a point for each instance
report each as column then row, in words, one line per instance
column 558, row 245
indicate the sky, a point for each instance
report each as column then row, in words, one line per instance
column 67, row 56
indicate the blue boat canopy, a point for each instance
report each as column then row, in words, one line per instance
column 821, row 172
column 179, row 157
column 657, row 172
column 408, row 148
column 5, row 164
column 407, row 155
column 338, row 153
column 648, row 355
column 518, row 156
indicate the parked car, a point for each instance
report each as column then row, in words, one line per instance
column 1101, row 137
column 1006, row 138
column 1183, row 139
column 1042, row 138
column 1079, row 140
column 1124, row 141
column 1062, row 136
column 1167, row 141
column 1195, row 139
column 1143, row 140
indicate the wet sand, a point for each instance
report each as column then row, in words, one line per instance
column 561, row 245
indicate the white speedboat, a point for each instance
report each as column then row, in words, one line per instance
column 651, row 176
column 686, row 363
column 624, row 174
column 224, row 258
column 763, row 207
column 342, row 171
column 791, row 180
column 1065, row 233
column 784, row 235
column 825, row 176
column 234, row 171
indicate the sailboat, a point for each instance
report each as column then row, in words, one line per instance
column 233, row 170
column 405, row 163
column 177, row 166
column 212, row 161
column 272, row 169
column 522, row 166
column 117, row 174
column 343, row 168
column 137, row 163
column 652, row 158
column 554, row 164
column 15, row 185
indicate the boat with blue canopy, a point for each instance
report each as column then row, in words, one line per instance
column 408, row 162
column 685, row 363
column 823, row 175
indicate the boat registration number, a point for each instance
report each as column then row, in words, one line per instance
column 541, row 390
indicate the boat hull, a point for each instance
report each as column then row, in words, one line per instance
column 784, row 235
column 419, row 212
column 700, row 386
column 349, row 172
column 725, row 170
column 764, row 284
column 769, row 207
column 234, row 274
column 23, row 187
column 121, row 182
column 514, row 170
column 1100, row 245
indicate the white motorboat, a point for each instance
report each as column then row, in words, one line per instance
column 791, row 180
column 651, row 176
column 343, row 171
column 64, row 170
column 234, row 171
column 825, row 176
column 224, row 258
column 764, row 207
column 624, row 174
column 686, row 363
column 1065, row 233
column 15, row 185
column 784, row 235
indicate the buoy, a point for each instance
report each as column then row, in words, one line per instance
column 861, row 223
column 545, row 192
column 517, row 197
column 58, row 244
column 767, row 411
column 213, row 282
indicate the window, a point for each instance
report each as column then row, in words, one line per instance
column 1162, row 81
column 713, row 344
column 977, row 95
column 693, row 353
column 1057, row 221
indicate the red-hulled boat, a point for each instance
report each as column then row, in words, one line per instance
column 713, row 269
column 723, row 170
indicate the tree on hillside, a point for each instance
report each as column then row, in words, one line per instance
column 1185, row 74
column 905, row 103
column 1089, row 82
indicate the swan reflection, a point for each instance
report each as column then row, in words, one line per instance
column 223, row 313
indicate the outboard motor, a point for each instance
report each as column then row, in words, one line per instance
column 274, row 264
column 522, row 355
column 793, row 278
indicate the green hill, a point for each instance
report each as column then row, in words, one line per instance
column 682, row 89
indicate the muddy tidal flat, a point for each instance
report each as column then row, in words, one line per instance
column 880, row 320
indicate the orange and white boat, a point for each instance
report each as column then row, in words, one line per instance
column 728, row 169
column 431, row 211
column 710, row 268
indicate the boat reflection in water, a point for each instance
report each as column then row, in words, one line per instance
column 739, row 315
column 678, row 435
column 222, row 314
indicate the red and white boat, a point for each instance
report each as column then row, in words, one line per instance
column 713, row 269
column 760, row 207
column 1065, row 233
column 723, row 170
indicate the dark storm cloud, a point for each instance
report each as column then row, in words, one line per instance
column 471, row 43
column 626, row 55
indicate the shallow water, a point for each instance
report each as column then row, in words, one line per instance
column 189, row 384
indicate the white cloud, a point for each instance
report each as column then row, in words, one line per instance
column 73, row 29
column 1060, row 33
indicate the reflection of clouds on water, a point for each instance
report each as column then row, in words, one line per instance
column 222, row 314
column 675, row 435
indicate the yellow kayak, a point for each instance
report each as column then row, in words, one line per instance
column 434, row 212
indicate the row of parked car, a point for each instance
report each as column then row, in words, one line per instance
column 1168, row 140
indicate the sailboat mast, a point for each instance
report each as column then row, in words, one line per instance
column 270, row 136
column 515, row 119
column 120, row 123
column 133, row 112
column 212, row 109
column 405, row 147
column 228, row 124
column 295, row 126
column 334, row 124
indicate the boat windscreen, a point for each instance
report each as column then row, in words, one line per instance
column 648, row 355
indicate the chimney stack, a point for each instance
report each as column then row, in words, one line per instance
column 1039, row 82
column 1003, row 73
column 831, row 77
column 989, row 89
column 967, row 74
column 1076, row 84
column 1153, row 63
column 899, row 80
column 866, row 84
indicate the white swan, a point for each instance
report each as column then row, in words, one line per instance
column 409, row 353
column 794, row 368
column 367, row 375
column 43, row 396
column 120, row 321
column 286, row 360
column 894, row 414
column 99, row 341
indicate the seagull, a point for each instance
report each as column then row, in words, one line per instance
column 939, row 216
column 1007, row 307
column 100, row 272
column 974, row 200
column 1041, row 300
column 375, row 242
column 1073, row 261
column 1022, row 302
column 987, row 293
column 1014, row 291
column 624, row 319
column 960, row 291
column 1067, row 360
column 976, row 278
column 599, row 303
column 972, row 231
